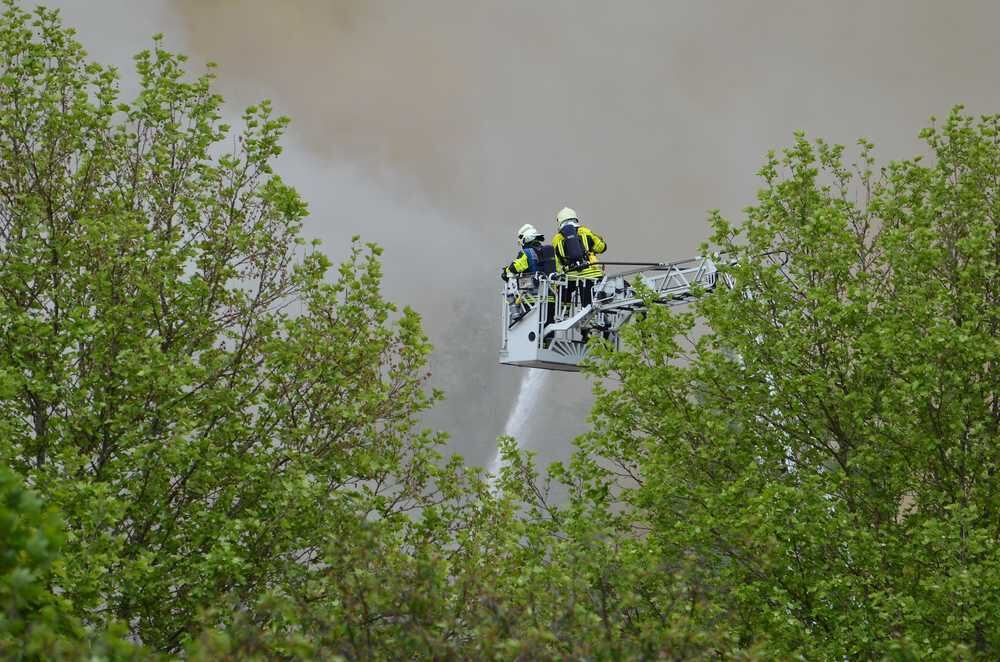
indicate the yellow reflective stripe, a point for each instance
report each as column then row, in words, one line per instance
column 594, row 240
column 588, row 273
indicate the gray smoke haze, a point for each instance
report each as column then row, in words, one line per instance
column 437, row 128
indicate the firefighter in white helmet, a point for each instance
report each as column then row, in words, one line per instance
column 534, row 257
column 577, row 248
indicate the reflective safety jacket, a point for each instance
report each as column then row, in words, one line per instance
column 593, row 244
column 533, row 258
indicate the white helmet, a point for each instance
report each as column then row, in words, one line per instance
column 528, row 234
column 564, row 216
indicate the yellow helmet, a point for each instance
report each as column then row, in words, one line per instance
column 564, row 216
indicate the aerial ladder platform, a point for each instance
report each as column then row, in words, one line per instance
column 554, row 336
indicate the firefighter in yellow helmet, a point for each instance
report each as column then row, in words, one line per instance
column 534, row 257
column 577, row 248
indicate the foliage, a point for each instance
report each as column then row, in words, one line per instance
column 190, row 391
column 487, row 576
column 35, row 621
column 829, row 449
column 229, row 426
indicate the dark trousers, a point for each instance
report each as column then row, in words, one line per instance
column 585, row 286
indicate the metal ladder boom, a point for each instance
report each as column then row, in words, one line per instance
column 530, row 339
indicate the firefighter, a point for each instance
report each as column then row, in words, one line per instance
column 577, row 248
column 534, row 257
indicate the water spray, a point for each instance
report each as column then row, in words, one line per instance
column 528, row 395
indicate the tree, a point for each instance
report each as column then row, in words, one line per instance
column 829, row 448
column 229, row 430
column 494, row 572
column 36, row 622
column 181, row 379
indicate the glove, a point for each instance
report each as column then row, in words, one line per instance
column 503, row 274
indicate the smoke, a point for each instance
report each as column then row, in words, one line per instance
column 437, row 128
column 112, row 31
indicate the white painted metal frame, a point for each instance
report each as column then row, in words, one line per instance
column 530, row 340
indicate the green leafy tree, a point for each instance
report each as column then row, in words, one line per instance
column 813, row 477
column 496, row 572
column 228, row 425
column 828, row 450
column 35, row 621
column 181, row 379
